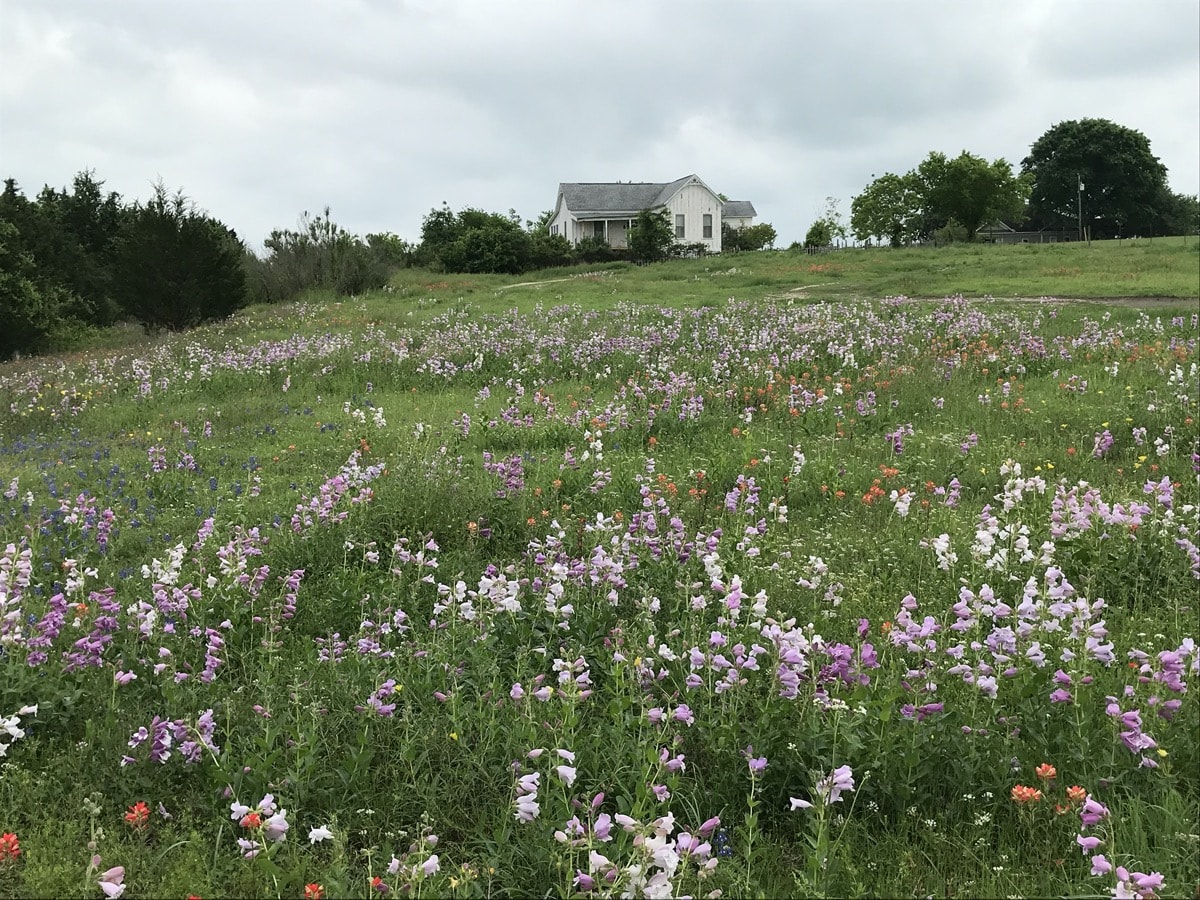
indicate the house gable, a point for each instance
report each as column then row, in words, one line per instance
column 672, row 190
column 561, row 222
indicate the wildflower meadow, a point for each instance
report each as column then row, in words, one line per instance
column 577, row 590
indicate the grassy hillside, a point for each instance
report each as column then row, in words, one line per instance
column 1167, row 268
column 768, row 575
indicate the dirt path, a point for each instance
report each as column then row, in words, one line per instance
column 536, row 283
column 798, row 293
column 801, row 292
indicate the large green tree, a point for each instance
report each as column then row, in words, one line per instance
column 89, row 221
column 30, row 311
column 176, row 267
column 1123, row 182
column 965, row 192
column 71, row 235
column 1177, row 213
column 968, row 191
column 888, row 208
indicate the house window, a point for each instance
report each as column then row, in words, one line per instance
column 598, row 230
column 679, row 226
column 554, row 229
column 708, row 225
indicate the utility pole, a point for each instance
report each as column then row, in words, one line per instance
column 1079, row 180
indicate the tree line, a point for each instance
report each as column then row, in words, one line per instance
column 75, row 259
column 78, row 258
column 1084, row 174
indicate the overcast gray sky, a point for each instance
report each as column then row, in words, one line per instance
column 382, row 109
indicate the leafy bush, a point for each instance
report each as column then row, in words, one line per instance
column 651, row 237
column 550, row 250
column 752, row 237
column 820, row 234
column 950, row 233
column 391, row 251
column 320, row 255
column 594, row 250
column 475, row 241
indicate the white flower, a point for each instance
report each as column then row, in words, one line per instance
column 318, row 834
column 112, row 882
column 276, row 827
column 10, row 725
column 527, row 808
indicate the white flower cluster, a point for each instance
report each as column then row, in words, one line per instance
column 360, row 415
column 799, row 460
column 945, row 556
column 595, row 446
column 11, row 726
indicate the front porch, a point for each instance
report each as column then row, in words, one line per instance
column 614, row 232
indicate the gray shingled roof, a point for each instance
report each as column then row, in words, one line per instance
column 619, row 197
column 738, row 208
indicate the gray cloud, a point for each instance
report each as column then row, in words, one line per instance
column 383, row 110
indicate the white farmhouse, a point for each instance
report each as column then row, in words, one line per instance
column 606, row 210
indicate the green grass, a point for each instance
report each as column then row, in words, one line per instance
column 682, row 390
column 1162, row 268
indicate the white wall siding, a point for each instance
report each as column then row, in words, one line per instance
column 562, row 219
column 693, row 202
